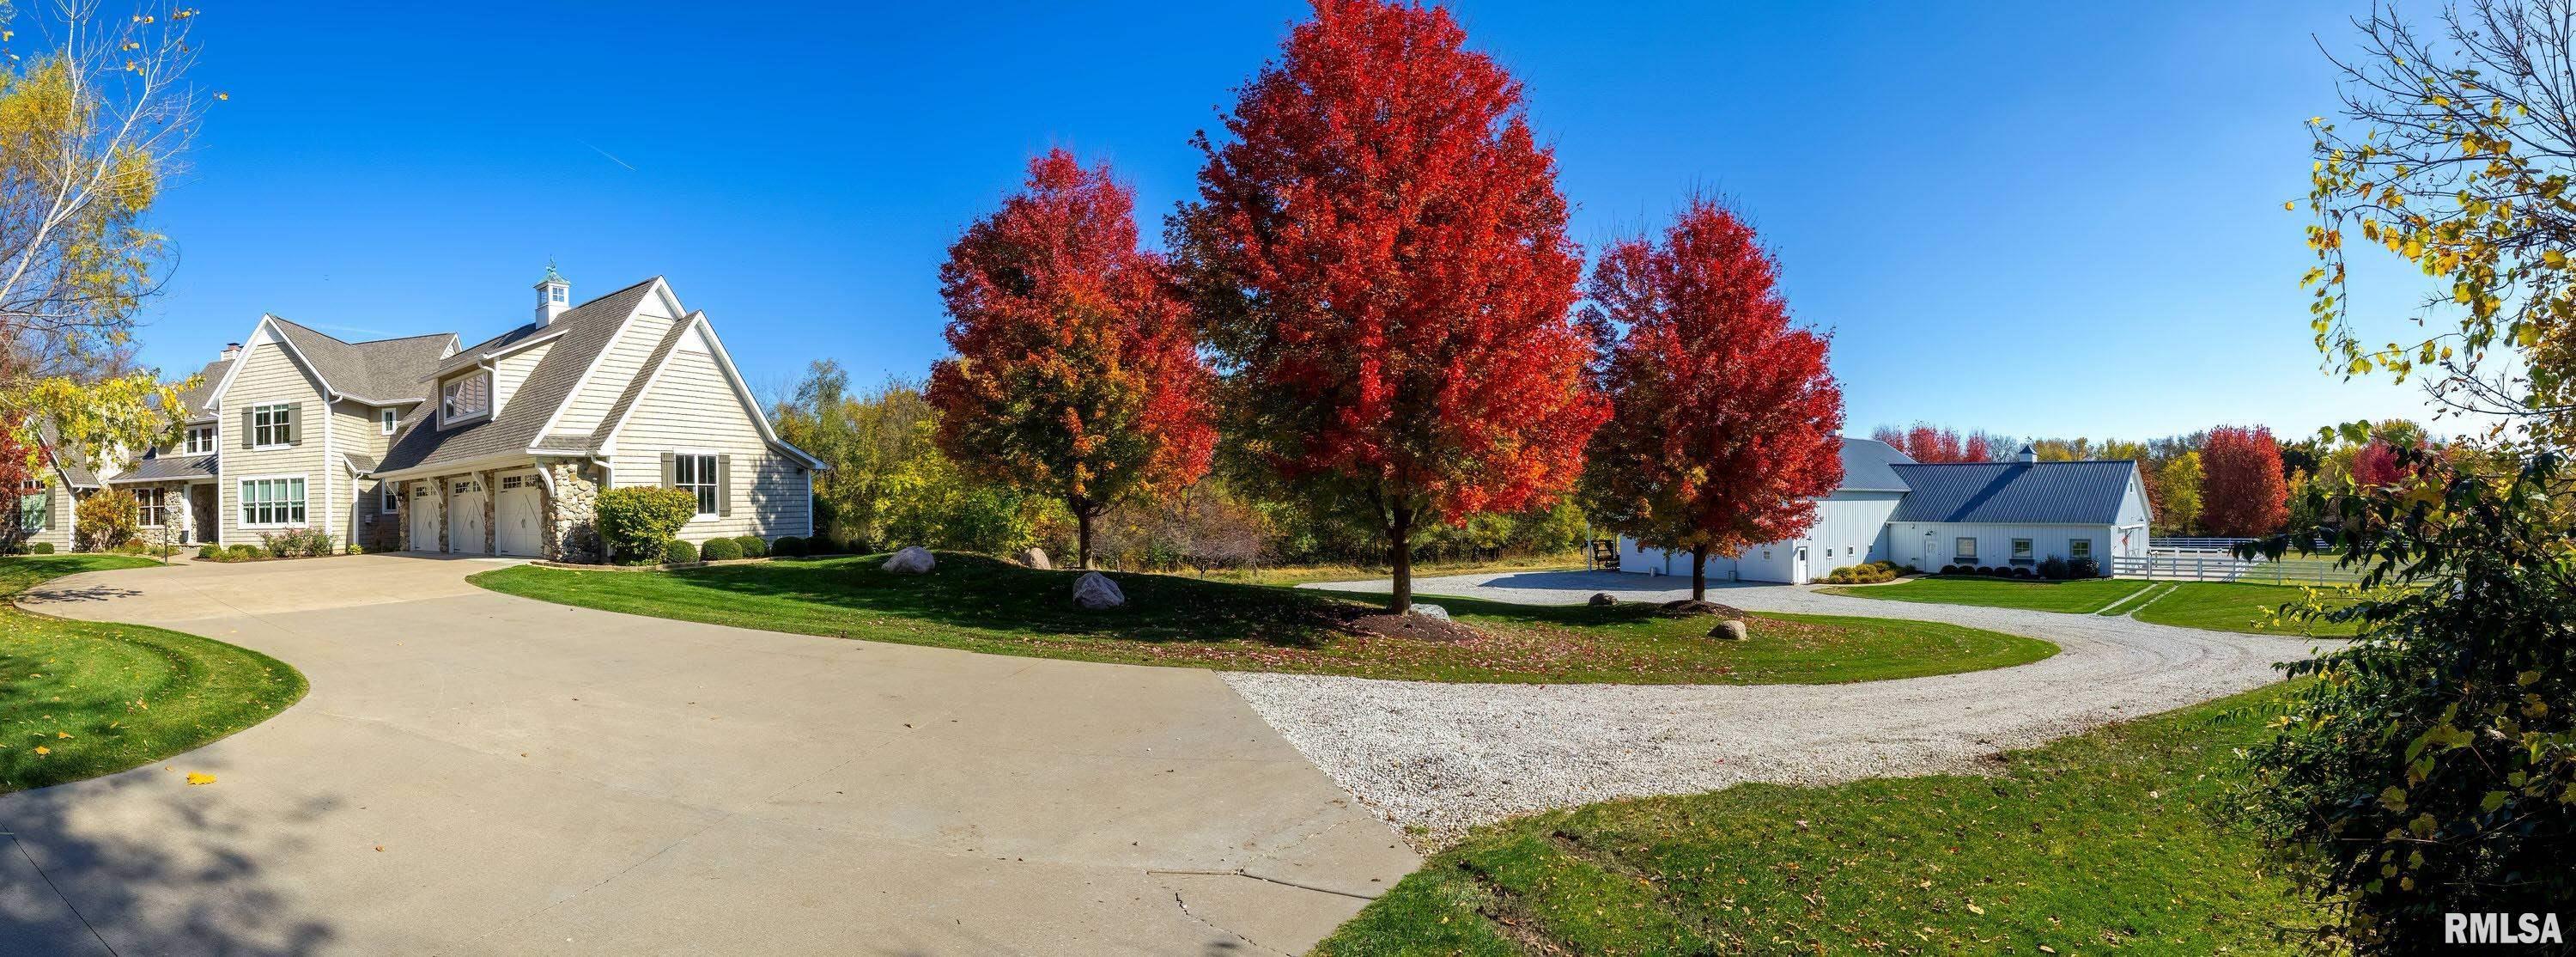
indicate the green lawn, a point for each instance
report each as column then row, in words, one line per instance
column 78, row 700
column 2228, row 606
column 980, row 604
column 2079, row 596
column 2106, row 841
column 1302, row 574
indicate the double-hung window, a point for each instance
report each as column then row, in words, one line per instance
column 465, row 398
column 272, row 501
column 388, row 498
column 272, row 426
column 697, row 474
column 149, row 508
column 385, row 419
column 2079, row 548
column 32, row 502
column 201, row 440
column 2022, row 550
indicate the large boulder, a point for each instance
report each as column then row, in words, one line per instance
column 1731, row 629
column 913, row 560
column 1431, row 611
column 1095, row 592
column 1036, row 558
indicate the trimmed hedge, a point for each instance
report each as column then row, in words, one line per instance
column 1869, row 574
column 752, row 546
column 720, row 550
column 210, row 552
column 41, row 548
column 636, row 523
column 243, row 553
column 677, row 552
column 788, row 546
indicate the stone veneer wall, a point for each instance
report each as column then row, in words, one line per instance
column 572, row 509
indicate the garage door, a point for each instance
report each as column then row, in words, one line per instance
column 425, row 517
column 517, row 518
column 465, row 516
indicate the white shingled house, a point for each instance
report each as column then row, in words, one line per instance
column 498, row 448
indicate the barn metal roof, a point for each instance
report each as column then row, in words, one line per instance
column 2034, row 493
column 1869, row 466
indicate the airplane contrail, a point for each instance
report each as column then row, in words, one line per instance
column 612, row 157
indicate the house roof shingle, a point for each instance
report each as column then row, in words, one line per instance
column 78, row 475
column 586, row 332
column 2032, row 493
column 383, row 371
column 168, row 468
column 193, row 401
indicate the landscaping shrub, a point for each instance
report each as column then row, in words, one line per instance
column 637, row 523
column 1950, row 569
column 1868, row 574
column 210, row 552
column 752, row 546
column 2432, row 769
column 2083, row 568
column 41, row 548
column 2053, row 569
column 719, row 550
column 243, row 553
column 788, row 546
column 297, row 543
column 2023, row 571
column 677, row 552
column 1985, row 570
column 105, row 520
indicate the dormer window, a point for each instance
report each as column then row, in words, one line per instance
column 385, row 419
column 201, row 440
column 465, row 398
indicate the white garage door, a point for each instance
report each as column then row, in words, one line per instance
column 465, row 516
column 516, row 517
column 425, row 517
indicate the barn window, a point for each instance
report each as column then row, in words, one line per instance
column 1965, row 550
column 2079, row 548
column 2021, row 550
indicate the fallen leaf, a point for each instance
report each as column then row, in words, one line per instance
column 200, row 777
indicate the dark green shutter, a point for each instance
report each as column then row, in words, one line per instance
column 250, row 437
column 670, row 471
column 295, row 423
column 724, row 486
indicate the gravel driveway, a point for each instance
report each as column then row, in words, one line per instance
column 1446, row 757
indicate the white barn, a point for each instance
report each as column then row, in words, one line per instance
column 1892, row 508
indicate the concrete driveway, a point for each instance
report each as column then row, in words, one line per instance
column 477, row 773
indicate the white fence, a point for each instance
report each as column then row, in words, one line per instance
column 2219, row 566
column 2220, row 545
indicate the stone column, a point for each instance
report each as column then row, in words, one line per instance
column 443, row 514
column 571, row 515
column 402, row 517
column 491, row 494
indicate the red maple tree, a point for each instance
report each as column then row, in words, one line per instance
column 1077, row 374
column 2375, row 465
column 2242, row 494
column 1381, row 256
column 1934, row 445
column 1725, row 423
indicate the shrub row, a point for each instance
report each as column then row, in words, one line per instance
column 2052, row 569
column 1869, row 574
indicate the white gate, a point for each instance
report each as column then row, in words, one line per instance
column 517, row 516
column 465, row 516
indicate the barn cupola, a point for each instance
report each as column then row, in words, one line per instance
column 2027, row 454
column 554, row 295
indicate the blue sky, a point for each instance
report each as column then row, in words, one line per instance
column 2051, row 219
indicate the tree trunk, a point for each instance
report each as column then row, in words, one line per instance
column 1699, row 573
column 1082, row 538
column 1399, row 558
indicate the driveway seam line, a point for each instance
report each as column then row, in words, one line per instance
column 21, row 845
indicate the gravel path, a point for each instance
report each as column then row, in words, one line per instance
column 1446, row 757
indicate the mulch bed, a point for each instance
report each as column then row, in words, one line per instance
column 1687, row 607
column 1415, row 628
